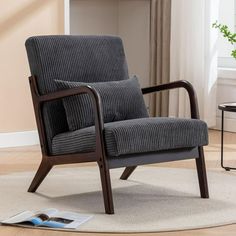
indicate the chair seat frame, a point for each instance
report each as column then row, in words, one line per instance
column 104, row 162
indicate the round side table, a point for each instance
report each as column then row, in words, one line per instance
column 229, row 107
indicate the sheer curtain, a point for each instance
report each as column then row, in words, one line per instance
column 194, row 56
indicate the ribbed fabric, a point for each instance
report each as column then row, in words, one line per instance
column 136, row 136
column 121, row 100
column 72, row 58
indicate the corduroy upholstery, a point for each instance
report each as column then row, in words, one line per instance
column 126, row 143
column 136, row 136
column 121, row 100
column 90, row 59
column 72, row 58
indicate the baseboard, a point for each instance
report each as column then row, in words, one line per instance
column 229, row 124
column 17, row 139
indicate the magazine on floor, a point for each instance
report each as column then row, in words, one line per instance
column 51, row 218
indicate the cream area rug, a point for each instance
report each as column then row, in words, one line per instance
column 152, row 200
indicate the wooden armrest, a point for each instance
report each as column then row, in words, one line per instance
column 39, row 100
column 178, row 84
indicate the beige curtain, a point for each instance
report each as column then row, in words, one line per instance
column 160, row 24
column 194, row 56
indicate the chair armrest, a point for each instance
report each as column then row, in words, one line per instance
column 39, row 100
column 84, row 89
column 178, row 84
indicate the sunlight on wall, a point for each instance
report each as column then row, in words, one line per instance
column 18, row 21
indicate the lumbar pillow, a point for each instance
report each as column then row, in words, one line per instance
column 121, row 100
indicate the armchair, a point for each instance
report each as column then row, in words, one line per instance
column 100, row 59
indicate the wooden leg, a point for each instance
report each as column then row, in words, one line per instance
column 202, row 176
column 42, row 172
column 106, row 189
column 127, row 172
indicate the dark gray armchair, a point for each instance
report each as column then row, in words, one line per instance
column 69, row 77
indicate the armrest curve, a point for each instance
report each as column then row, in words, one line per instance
column 178, row 84
column 39, row 100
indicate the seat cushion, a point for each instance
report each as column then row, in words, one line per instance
column 121, row 100
column 135, row 136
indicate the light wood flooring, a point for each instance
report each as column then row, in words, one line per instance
column 28, row 159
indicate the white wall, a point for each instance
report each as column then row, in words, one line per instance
column 226, row 17
column 226, row 84
column 127, row 18
column 94, row 17
column 134, row 29
column 226, row 92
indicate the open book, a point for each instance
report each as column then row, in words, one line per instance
column 49, row 218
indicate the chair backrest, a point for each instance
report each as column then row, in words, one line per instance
column 72, row 58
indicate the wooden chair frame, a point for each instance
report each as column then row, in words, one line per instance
column 99, row 155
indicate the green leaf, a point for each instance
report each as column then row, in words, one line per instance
column 231, row 37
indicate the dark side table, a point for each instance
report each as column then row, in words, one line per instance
column 229, row 107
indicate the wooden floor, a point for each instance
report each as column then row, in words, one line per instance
column 28, row 158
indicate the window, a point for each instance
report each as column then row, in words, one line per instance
column 227, row 15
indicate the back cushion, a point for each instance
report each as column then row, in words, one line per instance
column 72, row 58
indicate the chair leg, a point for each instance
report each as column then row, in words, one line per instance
column 42, row 172
column 127, row 172
column 202, row 176
column 106, row 189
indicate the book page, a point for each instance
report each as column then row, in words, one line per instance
column 23, row 216
column 50, row 218
column 36, row 218
column 65, row 219
column 48, row 212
